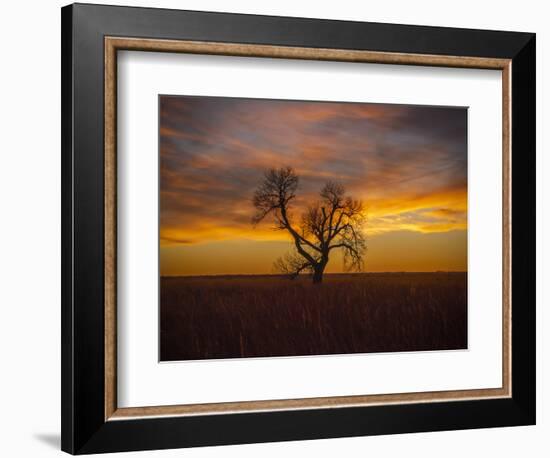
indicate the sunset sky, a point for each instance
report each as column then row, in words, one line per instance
column 408, row 164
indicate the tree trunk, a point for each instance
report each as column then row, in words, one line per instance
column 318, row 273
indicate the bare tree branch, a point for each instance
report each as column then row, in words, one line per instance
column 275, row 192
column 292, row 264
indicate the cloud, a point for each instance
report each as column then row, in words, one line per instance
column 407, row 163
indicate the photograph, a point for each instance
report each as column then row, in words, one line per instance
column 299, row 228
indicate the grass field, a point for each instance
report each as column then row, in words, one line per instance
column 259, row 316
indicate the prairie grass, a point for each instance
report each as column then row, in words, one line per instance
column 262, row 316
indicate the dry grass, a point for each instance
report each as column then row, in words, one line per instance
column 255, row 316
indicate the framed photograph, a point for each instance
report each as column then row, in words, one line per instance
column 281, row 228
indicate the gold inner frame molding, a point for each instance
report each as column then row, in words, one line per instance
column 114, row 44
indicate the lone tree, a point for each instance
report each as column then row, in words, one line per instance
column 333, row 222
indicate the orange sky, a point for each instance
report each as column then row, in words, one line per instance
column 408, row 164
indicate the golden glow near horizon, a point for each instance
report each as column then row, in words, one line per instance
column 407, row 163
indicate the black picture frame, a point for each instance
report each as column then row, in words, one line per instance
column 84, row 428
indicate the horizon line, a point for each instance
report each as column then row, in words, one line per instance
column 331, row 273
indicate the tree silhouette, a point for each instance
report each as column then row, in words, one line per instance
column 333, row 222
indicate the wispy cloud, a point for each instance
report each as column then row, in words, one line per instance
column 407, row 163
